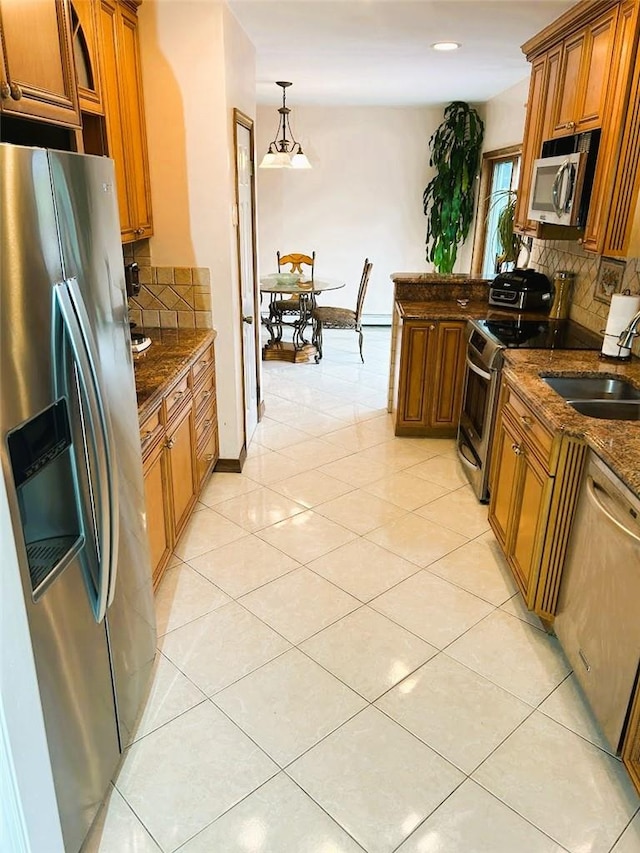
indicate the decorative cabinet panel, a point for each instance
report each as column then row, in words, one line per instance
column 36, row 62
column 179, row 440
column 431, row 375
column 180, row 447
column 86, row 51
column 586, row 68
column 124, row 112
column 156, row 486
column 534, row 485
column 584, row 76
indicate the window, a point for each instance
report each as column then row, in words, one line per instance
column 499, row 174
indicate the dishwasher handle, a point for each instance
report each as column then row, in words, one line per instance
column 592, row 489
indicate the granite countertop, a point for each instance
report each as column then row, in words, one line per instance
column 617, row 443
column 157, row 367
column 449, row 309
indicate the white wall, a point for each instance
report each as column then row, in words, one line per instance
column 197, row 65
column 504, row 117
column 363, row 197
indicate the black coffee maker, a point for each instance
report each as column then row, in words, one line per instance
column 139, row 341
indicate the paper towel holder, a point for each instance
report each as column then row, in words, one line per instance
column 629, row 331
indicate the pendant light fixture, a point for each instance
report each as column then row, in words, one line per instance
column 284, row 152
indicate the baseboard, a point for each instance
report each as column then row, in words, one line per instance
column 232, row 466
column 376, row 319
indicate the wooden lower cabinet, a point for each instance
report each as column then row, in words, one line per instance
column 431, row 375
column 631, row 745
column 156, row 486
column 181, row 456
column 179, row 441
column 534, row 486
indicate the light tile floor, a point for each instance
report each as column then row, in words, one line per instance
column 344, row 663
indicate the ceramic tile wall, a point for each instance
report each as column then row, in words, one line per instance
column 550, row 256
column 170, row 297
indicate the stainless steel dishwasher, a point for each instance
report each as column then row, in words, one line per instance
column 598, row 616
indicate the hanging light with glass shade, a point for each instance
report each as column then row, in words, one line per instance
column 284, row 152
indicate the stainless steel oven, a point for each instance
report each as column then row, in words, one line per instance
column 487, row 340
column 479, row 403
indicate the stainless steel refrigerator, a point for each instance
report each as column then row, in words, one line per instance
column 71, row 461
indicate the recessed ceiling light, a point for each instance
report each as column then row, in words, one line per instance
column 446, row 45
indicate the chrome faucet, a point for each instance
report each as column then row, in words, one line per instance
column 627, row 335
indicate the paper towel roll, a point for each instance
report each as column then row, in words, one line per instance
column 621, row 312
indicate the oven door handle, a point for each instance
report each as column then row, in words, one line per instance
column 476, row 369
column 465, row 459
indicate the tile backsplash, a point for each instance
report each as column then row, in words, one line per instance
column 170, row 297
column 549, row 256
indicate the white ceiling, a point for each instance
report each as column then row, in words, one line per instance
column 377, row 52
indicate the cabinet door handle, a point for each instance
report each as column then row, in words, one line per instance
column 169, row 443
column 139, row 231
column 432, row 328
column 516, row 449
column 5, row 90
column 16, row 91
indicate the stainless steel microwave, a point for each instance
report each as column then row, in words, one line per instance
column 556, row 189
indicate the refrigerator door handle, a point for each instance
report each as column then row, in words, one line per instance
column 111, row 481
column 76, row 325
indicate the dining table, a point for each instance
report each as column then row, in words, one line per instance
column 299, row 348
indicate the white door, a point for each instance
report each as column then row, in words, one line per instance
column 246, row 255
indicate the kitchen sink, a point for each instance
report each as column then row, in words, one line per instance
column 592, row 388
column 615, row 410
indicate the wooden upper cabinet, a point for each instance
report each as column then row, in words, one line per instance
column 531, row 145
column 86, row 51
column 586, row 68
column 567, row 96
column 585, row 75
column 37, row 62
column 539, row 126
column 124, row 112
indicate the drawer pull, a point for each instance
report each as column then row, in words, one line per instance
column 527, row 420
column 178, row 395
column 516, row 449
column 146, row 435
column 206, row 395
column 169, row 443
column 205, row 361
column 209, row 457
column 207, row 423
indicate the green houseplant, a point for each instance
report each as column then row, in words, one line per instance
column 448, row 199
column 510, row 243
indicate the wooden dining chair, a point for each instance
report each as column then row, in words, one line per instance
column 291, row 304
column 341, row 318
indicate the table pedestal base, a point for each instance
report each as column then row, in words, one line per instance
column 286, row 351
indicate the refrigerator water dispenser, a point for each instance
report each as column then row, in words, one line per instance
column 40, row 451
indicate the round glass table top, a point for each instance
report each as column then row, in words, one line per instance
column 270, row 284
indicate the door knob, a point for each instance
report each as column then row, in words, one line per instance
column 247, row 319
